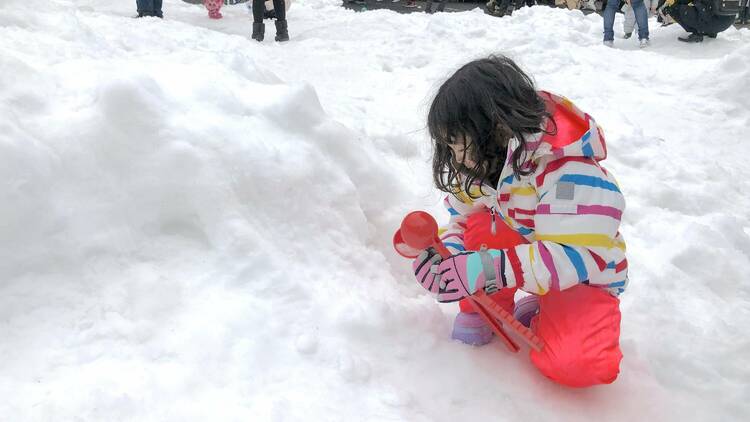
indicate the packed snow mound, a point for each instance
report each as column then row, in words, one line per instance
column 150, row 192
column 197, row 227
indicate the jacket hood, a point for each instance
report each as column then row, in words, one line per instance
column 571, row 132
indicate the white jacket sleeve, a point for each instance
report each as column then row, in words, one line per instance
column 459, row 206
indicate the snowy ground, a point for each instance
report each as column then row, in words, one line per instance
column 194, row 226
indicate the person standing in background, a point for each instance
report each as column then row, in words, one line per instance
column 744, row 12
column 641, row 17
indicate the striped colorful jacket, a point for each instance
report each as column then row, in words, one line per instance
column 568, row 209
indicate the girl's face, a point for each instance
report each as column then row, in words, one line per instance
column 461, row 149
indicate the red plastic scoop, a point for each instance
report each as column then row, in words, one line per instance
column 402, row 248
column 419, row 231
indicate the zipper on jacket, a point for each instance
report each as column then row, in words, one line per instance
column 492, row 224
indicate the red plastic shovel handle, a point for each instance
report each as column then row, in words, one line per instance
column 419, row 231
column 508, row 320
column 496, row 326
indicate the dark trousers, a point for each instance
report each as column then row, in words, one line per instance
column 259, row 10
column 744, row 11
column 149, row 8
column 698, row 20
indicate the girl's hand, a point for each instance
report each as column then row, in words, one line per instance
column 454, row 283
column 449, row 278
column 425, row 268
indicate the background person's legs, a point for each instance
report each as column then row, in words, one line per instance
column 145, row 7
column 609, row 20
column 282, row 32
column 279, row 8
column 641, row 18
column 157, row 9
column 259, row 11
column 687, row 17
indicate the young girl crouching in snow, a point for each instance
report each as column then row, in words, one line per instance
column 532, row 209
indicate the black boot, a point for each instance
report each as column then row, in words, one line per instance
column 282, row 34
column 259, row 31
column 692, row 38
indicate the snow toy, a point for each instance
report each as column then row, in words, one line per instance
column 419, row 231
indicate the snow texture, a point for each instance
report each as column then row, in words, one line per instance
column 195, row 226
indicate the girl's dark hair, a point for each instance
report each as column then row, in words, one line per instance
column 488, row 102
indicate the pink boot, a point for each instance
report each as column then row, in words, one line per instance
column 214, row 7
column 470, row 328
column 526, row 309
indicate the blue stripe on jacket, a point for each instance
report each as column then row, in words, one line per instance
column 583, row 180
column 577, row 261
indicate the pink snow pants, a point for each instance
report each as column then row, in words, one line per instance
column 580, row 326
